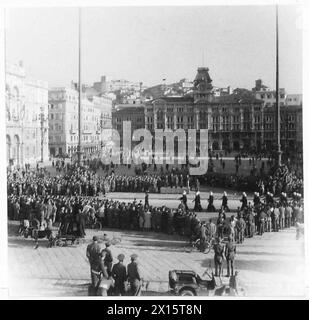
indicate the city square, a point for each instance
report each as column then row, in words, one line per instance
column 154, row 186
column 276, row 258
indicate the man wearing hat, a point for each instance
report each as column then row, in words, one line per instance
column 94, row 255
column 134, row 276
column 230, row 252
column 256, row 199
column 119, row 273
column 244, row 201
column 108, row 260
column 224, row 202
column 240, row 228
column 184, row 200
column 197, row 202
column 218, row 258
column 211, row 207
column 147, row 199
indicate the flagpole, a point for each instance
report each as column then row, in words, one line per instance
column 278, row 118
column 79, row 151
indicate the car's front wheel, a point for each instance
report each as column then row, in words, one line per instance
column 186, row 293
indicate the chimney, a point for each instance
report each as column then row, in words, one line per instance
column 103, row 84
column 258, row 84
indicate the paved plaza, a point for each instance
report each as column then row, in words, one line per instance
column 269, row 265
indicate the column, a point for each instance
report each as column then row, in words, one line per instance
column 175, row 118
column 165, row 118
column 197, row 119
column 146, row 116
column 209, row 119
column 241, row 119
column 154, row 118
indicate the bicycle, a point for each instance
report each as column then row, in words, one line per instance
column 114, row 240
column 205, row 248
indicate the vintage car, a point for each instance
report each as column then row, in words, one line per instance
column 189, row 283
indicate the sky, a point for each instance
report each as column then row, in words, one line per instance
column 147, row 44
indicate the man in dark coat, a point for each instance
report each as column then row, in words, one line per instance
column 224, row 202
column 146, row 199
column 94, row 256
column 256, row 199
column 211, row 207
column 119, row 273
column 244, row 201
column 108, row 260
column 197, row 202
column 81, row 220
column 184, row 200
column 134, row 276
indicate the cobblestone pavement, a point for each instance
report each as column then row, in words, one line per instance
column 271, row 265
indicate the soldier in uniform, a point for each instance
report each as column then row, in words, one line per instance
column 262, row 221
column 240, row 228
column 288, row 215
column 134, row 276
column 250, row 224
column 211, row 230
column 220, row 225
column 229, row 252
column 218, row 258
column 119, row 274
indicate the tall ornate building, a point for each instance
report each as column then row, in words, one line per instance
column 234, row 121
column 237, row 121
column 26, row 117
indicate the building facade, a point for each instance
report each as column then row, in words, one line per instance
column 128, row 112
column 26, row 117
column 294, row 99
column 63, row 121
column 235, row 122
column 267, row 95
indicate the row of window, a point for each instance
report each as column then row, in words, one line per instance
column 270, row 96
column 73, row 138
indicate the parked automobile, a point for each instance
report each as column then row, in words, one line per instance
column 189, row 283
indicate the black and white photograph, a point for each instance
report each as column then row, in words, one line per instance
column 153, row 150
